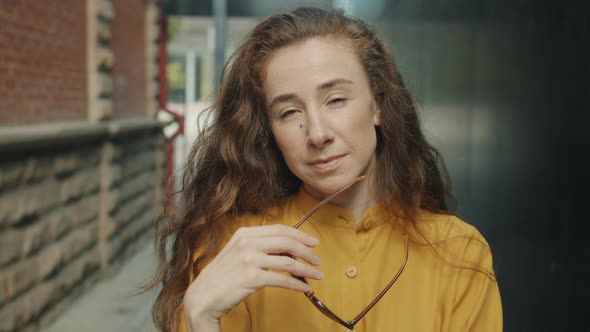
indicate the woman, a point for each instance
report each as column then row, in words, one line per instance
column 312, row 101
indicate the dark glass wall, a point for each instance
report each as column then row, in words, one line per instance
column 503, row 88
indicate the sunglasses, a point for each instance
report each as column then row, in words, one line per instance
column 311, row 295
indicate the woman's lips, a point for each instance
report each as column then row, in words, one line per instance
column 326, row 165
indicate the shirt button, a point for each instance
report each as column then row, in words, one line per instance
column 351, row 271
column 368, row 224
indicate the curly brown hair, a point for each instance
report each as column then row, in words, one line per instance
column 235, row 166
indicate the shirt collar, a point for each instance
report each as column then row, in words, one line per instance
column 333, row 215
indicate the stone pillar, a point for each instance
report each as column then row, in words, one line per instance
column 100, row 57
column 152, row 72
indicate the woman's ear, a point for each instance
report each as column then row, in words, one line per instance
column 377, row 117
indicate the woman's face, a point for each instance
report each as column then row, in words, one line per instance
column 322, row 112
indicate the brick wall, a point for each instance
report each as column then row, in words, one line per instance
column 129, row 48
column 42, row 61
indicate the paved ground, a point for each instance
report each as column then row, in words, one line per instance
column 111, row 304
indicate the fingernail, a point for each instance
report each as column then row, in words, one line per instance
column 314, row 241
column 316, row 260
column 319, row 274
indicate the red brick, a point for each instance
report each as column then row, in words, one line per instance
column 37, row 39
column 129, row 45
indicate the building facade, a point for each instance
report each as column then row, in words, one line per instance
column 82, row 155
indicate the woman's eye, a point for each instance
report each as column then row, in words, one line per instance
column 287, row 113
column 337, row 101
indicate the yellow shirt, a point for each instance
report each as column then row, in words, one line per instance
column 359, row 261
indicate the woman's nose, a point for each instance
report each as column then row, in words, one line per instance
column 318, row 131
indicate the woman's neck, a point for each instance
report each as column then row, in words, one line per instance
column 356, row 199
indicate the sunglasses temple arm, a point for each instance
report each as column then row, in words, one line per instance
column 325, row 201
column 370, row 306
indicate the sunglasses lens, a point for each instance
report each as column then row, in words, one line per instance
column 328, row 313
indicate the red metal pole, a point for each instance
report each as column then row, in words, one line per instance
column 163, row 100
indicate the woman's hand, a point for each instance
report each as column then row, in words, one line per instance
column 242, row 267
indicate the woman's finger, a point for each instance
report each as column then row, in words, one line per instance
column 284, row 245
column 276, row 279
column 277, row 230
column 288, row 264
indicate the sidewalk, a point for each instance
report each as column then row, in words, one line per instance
column 110, row 305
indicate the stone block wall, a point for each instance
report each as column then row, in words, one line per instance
column 49, row 207
column 132, row 205
column 72, row 213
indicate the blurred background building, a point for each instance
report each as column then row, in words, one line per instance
column 81, row 152
column 501, row 85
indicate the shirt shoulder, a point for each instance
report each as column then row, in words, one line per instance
column 272, row 215
column 456, row 241
column 441, row 227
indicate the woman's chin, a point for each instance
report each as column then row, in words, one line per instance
column 323, row 188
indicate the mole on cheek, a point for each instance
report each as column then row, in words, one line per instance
column 300, row 125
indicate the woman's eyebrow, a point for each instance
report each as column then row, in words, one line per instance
column 324, row 86
column 334, row 82
column 281, row 99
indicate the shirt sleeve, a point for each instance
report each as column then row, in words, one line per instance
column 477, row 303
column 181, row 322
column 237, row 319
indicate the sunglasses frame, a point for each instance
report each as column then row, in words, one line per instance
column 311, row 295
